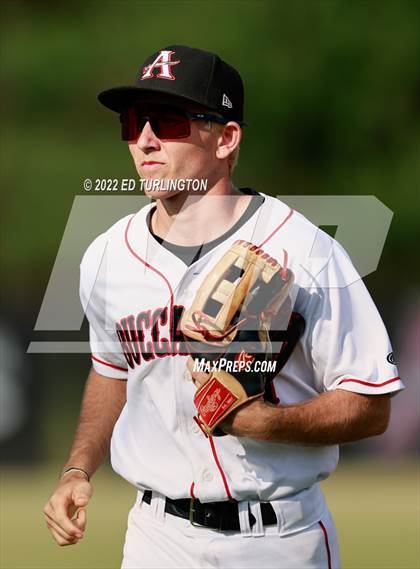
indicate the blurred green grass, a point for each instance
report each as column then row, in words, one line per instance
column 375, row 505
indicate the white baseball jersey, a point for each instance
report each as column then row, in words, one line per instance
column 133, row 290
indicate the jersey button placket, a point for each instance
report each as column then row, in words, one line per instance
column 207, row 475
column 187, row 376
column 189, row 295
column 195, row 428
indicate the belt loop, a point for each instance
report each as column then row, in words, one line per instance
column 244, row 523
column 192, row 512
column 157, row 507
column 279, row 515
column 139, row 500
column 258, row 527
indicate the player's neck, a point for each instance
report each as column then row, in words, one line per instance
column 193, row 218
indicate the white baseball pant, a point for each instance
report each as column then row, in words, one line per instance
column 157, row 540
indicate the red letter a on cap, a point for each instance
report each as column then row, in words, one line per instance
column 163, row 61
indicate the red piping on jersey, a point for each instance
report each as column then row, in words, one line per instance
column 222, row 474
column 192, row 490
column 362, row 382
column 146, row 264
column 327, row 544
column 107, row 364
column 272, row 388
column 288, row 216
column 283, row 271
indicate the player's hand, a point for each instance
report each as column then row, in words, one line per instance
column 199, row 377
column 248, row 420
column 65, row 511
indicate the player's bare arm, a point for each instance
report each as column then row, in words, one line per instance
column 331, row 418
column 65, row 511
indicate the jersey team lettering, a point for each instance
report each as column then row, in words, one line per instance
column 151, row 334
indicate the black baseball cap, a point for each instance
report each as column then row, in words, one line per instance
column 183, row 74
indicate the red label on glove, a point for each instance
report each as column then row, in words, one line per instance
column 213, row 401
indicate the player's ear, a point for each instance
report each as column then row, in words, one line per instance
column 229, row 139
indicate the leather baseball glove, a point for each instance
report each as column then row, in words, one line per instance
column 235, row 330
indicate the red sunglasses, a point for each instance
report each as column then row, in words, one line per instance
column 166, row 122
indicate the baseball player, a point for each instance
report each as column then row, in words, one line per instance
column 242, row 491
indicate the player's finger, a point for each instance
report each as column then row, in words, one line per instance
column 190, row 364
column 58, row 530
column 48, row 509
column 61, row 540
column 81, row 519
column 50, row 521
column 82, row 494
column 199, row 378
column 62, row 519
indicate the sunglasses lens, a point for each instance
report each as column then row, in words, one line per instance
column 128, row 119
column 171, row 125
column 166, row 124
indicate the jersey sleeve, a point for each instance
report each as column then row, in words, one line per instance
column 106, row 353
column 349, row 345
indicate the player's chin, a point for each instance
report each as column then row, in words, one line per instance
column 161, row 194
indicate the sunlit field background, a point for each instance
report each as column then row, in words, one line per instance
column 375, row 506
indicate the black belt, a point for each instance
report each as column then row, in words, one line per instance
column 222, row 516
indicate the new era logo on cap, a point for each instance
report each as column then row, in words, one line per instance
column 226, row 102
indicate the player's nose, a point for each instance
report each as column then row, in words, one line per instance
column 148, row 139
